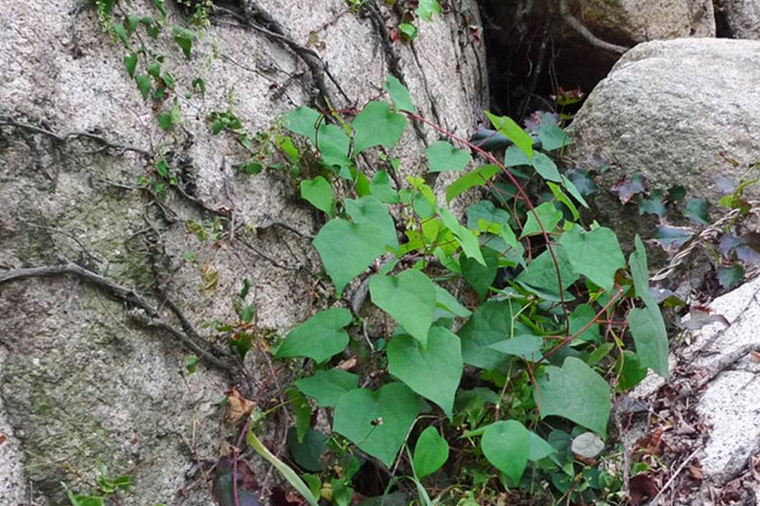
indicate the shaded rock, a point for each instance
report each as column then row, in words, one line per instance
column 670, row 109
column 742, row 17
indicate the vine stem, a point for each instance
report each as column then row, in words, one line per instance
column 523, row 195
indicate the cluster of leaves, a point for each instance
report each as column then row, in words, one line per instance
column 509, row 333
column 148, row 68
column 681, row 220
column 105, row 487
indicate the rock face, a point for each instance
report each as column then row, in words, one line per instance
column 669, row 109
column 742, row 17
column 640, row 21
column 93, row 366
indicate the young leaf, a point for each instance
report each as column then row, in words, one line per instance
column 575, row 392
column 433, row 371
column 130, row 62
column 143, row 84
column 443, row 156
column 326, row 387
column 402, row 100
column 319, row 338
column 318, row 193
column 427, row 8
column 377, row 422
column 430, row 453
column 549, row 215
column 184, row 39
column 346, row 249
column 478, row 177
column 595, row 254
column 377, row 125
column 512, row 130
column 409, row 298
column 546, row 167
column 506, row 445
column 465, row 237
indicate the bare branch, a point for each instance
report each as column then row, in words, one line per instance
column 584, row 32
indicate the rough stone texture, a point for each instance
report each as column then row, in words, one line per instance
column 729, row 402
column 644, row 20
column 669, row 108
column 742, row 17
column 81, row 381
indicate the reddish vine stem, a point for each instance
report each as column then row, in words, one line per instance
column 583, row 329
column 523, row 195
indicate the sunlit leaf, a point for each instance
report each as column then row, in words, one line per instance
column 320, row 337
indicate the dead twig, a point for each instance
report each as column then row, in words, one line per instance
column 584, row 32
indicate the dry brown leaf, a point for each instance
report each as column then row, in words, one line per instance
column 755, row 355
column 237, row 406
column 3, row 439
column 347, row 364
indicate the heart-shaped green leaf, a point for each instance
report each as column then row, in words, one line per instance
column 320, row 337
column 409, row 298
column 596, row 254
column 443, row 156
column 377, row 125
column 430, row 453
column 433, row 371
column 506, row 445
column 377, row 422
column 326, row 387
column 575, row 392
column 346, row 249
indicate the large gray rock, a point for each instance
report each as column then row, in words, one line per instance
column 669, row 109
column 742, row 17
column 82, row 379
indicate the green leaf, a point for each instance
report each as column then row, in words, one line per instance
column 580, row 317
column 318, row 192
column 346, row 249
column 514, row 157
column 304, row 121
column 506, row 445
column 631, row 372
column 302, row 410
column 319, row 338
column 326, row 387
column 478, row 177
column 575, row 392
column 546, row 167
column 697, row 211
column 430, row 453
column 154, row 70
column 553, row 137
column 427, row 8
column 160, row 6
column 443, row 156
column 370, row 210
column 381, row 188
column 573, row 190
column 549, row 215
column 308, row 452
column 168, row 119
column 409, row 298
column 402, row 100
column 492, row 321
column 480, row 277
column 540, row 276
column 408, row 31
column 130, row 62
column 464, row 236
column 729, row 277
column 184, row 39
column 433, row 371
column 526, row 346
column 143, row 84
column 377, row 125
column 486, row 210
column 596, row 254
column 513, row 132
column 564, row 199
column 121, row 33
column 333, row 145
column 646, row 325
column 448, row 303
column 377, row 422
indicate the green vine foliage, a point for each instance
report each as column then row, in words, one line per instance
column 507, row 331
column 499, row 335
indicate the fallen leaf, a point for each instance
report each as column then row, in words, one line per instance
column 699, row 316
column 237, row 406
column 347, row 364
column 3, row 439
column 640, row 487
